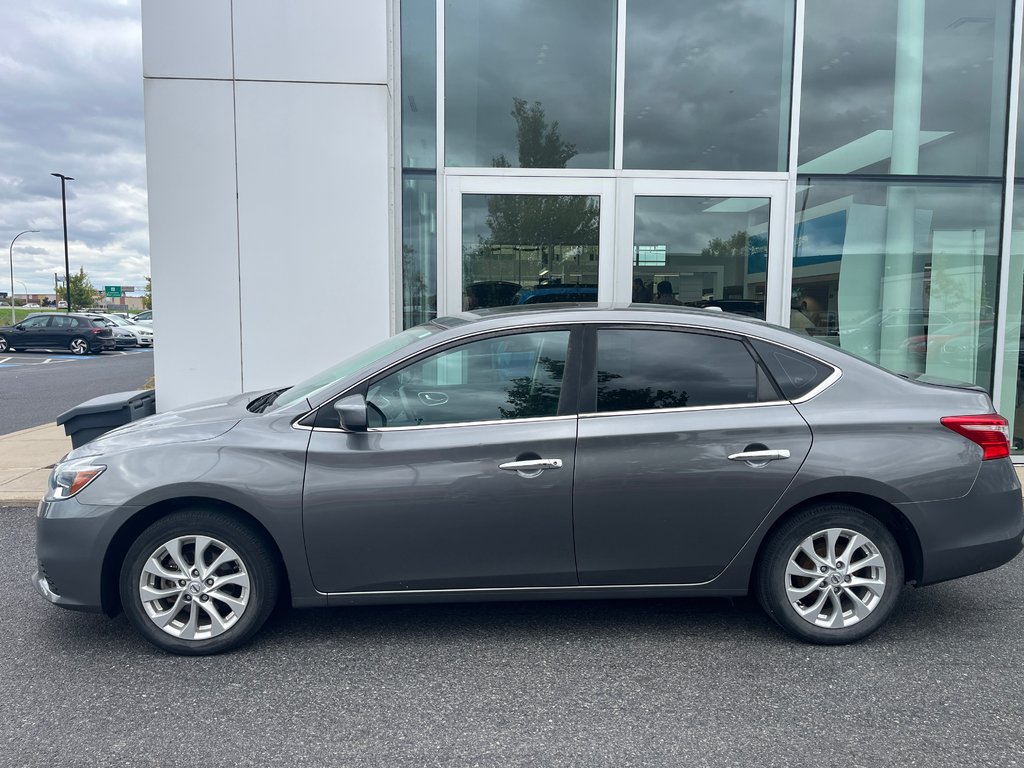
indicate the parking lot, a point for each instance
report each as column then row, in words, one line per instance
column 38, row 385
column 601, row 683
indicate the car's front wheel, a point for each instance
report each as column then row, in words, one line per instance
column 5, row 346
column 198, row 582
column 831, row 574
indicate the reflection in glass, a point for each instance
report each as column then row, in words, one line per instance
column 419, row 84
column 905, row 87
column 714, row 92
column 529, row 83
column 529, row 249
column 902, row 275
column 419, row 248
column 702, row 251
column 1012, row 405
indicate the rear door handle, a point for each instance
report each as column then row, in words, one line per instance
column 531, row 465
column 759, row 457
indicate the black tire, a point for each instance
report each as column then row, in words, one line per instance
column 835, row 622
column 253, row 561
column 78, row 346
column 5, row 345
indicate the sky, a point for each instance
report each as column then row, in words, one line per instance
column 71, row 102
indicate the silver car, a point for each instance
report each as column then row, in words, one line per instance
column 533, row 454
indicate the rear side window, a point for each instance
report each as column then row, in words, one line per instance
column 641, row 370
column 795, row 374
column 100, row 323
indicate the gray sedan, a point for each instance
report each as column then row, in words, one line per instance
column 535, row 454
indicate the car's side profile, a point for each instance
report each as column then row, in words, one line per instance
column 539, row 454
column 80, row 334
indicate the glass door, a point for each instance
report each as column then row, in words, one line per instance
column 697, row 242
column 526, row 240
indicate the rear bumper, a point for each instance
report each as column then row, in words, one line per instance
column 975, row 533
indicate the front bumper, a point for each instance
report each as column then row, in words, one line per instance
column 977, row 532
column 72, row 541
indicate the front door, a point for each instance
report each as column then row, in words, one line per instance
column 33, row 332
column 463, row 481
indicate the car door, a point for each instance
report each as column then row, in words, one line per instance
column 33, row 332
column 670, row 475
column 463, row 480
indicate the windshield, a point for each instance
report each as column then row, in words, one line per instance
column 352, row 364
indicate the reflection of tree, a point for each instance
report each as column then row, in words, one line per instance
column 548, row 225
column 739, row 245
column 530, row 398
column 636, row 399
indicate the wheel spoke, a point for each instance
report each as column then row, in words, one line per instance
column 217, row 625
column 202, row 542
column 856, row 540
column 173, row 548
column 226, row 556
column 164, row 618
column 240, row 579
column 832, row 539
column 233, row 603
column 837, row 611
column 865, row 562
column 799, row 593
column 876, row 586
column 794, row 568
column 860, row 609
column 811, row 612
column 154, row 567
column 807, row 547
column 188, row 632
column 150, row 593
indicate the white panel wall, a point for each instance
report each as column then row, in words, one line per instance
column 186, row 38
column 311, row 40
column 313, row 226
column 193, row 239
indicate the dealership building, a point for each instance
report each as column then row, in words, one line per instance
column 323, row 173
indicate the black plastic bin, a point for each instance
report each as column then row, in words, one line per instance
column 92, row 418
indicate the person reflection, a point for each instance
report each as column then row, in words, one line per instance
column 641, row 293
column 666, row 295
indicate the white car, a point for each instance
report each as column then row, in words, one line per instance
column 143, row 318
column 141, row 335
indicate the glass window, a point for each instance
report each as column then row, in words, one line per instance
column 35, row 322
column 1012, row 404
column 529, row 83
column 707, row 84
column 901, row 274
column 641, row 370
column 419, row 84
column 528, row 249
column 905, row 87
column 795, row 374
column 702, row 251
column 419, row 248
column 508, row 377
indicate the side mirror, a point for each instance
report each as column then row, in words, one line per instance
column 352, row 413
column 20, row 327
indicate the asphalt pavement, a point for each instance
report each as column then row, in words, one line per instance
column 37, row 386
column 583, row 683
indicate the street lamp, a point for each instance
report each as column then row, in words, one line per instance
column 12, row 267
column 64, row 207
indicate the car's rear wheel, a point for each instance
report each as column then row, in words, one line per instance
column 831, row 574
column 197, row 583
column 78, row 346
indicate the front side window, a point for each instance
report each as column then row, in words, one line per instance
column 639, row 370
column 507, row 377
column 35, row 322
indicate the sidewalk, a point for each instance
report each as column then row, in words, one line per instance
column 25, row 461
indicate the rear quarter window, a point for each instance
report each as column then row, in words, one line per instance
column 795, row 373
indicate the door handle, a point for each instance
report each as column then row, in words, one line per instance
column 759, row 457
column 531, row 465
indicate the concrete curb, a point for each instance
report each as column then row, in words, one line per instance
column 26, row 457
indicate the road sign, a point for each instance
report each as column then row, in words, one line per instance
column 128, row 288
column 112, row 291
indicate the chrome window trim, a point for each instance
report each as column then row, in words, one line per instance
column 626, row 324
column 684, row 409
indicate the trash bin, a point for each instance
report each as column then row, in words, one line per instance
column 92, row 418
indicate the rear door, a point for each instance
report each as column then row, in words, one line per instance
column 684, row 446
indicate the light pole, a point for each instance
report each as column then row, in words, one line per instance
column 64, row 208
column 12, row 267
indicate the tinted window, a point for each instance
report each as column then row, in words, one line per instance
column 36, row 322
column 508, row 377
column 62, row 321
column 641, row 370
column 795, row 374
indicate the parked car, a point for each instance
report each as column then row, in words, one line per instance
column 143, row 318
column 134, row 335
column 80, row 334
column 62, row 304
column 529, row 453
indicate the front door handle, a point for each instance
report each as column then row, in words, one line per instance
column 531, row 465
column 759, row 457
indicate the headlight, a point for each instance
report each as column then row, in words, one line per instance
column 68, row 479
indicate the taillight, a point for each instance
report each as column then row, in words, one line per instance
column 991, row 431
column 97, row 331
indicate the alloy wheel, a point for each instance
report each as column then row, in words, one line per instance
column 194, row 587
column 835, row 578
column 79, row 346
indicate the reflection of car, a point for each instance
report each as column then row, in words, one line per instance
column 901, row 324
column 79, row 333
column 531, row 453
column 747, row 307
column 139, row 335
column 966, row 332
column 579, row 294
column 490, row 293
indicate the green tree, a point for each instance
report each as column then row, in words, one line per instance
column 147, row 300
column 82, row 291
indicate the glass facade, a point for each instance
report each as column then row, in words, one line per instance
column 891, row 158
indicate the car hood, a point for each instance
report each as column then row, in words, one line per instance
column 194, row 423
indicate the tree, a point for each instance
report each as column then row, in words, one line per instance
column 147, row 300
column 82, row 291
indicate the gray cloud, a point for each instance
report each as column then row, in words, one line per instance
column 71, row 102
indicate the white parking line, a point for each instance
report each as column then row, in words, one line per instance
column 4, row 360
